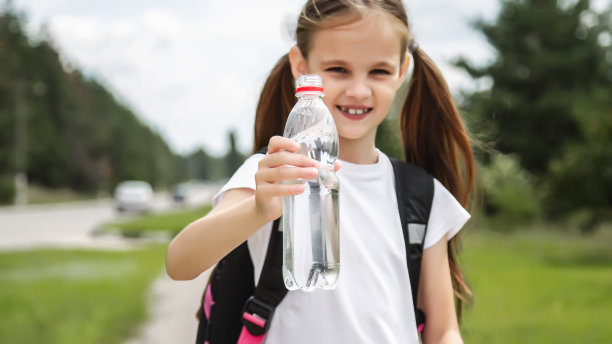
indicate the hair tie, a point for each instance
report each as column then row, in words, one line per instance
column 413, row 46
column 288, row 27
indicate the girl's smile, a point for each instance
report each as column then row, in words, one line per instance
column 354, row 112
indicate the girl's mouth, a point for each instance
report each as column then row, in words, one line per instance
column 354, row 112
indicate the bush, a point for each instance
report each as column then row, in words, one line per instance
column 581, row 185
column 509, row 191
column 580, row 179
column 7, row 189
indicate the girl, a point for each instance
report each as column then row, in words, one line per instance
column 362, row 50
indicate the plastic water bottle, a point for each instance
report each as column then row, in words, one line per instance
column 311, row 252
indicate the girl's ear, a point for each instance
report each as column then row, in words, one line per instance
column 404, row 67
column 298, row 62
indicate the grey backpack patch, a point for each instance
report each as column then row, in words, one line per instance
column 416, row 233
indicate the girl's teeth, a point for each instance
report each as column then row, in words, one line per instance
column 354, row 111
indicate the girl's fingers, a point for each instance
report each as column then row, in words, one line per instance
column 286, row 158
column 280, row 174
column 279, row 143
column 279, row 190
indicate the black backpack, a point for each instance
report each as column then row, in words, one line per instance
column 233, row 308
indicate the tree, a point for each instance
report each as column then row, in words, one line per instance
column 547, row 79
column 64, row 129
column 546, row 56
column 388, row 135
column 233, row 159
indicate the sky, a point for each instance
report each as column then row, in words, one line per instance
column 193, row 69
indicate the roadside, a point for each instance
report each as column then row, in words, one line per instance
column 173, row 305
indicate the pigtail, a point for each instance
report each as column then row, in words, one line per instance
column 275, row 102
column 434, row 138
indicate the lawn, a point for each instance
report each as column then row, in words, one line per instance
column 537, row 285
column 75, row 296
column 172, row 222
column 543, row 286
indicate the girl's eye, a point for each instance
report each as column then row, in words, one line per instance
column 336, row 70
column 380, row 71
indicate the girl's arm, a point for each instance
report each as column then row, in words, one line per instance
column 240, row 213
column 436, row 296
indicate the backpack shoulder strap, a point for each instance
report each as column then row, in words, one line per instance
column 269, row 292
column 414, row 190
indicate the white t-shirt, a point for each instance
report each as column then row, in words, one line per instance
column 372, row 302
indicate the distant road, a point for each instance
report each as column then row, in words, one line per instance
column 71, row 224
column 68, row 224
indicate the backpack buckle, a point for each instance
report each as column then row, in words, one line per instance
column 257, row 316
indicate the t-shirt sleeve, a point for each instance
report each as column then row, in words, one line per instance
column 244, row 177
column 446, row 218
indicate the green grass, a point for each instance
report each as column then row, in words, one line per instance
column 75, row 296
column 172, row 222
column 539, row 287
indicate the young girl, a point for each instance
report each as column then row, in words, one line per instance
column 362, row 50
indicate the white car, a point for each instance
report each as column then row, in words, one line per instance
column 134, row 195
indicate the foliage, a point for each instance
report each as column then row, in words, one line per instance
column 67, row 130
column 550, row 89
column 7, row 188
column 388, row 134
column 75, row 296
column 233, row 159
column 73, row 132
column 581, row 178
column 510, row 191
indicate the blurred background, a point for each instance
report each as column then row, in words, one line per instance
column 119, row 121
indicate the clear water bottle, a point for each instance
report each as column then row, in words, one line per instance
column 311, row 242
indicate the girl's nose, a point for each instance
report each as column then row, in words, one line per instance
column 358, row 89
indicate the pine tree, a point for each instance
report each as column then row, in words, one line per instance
column 547, row 56
column 549, row 102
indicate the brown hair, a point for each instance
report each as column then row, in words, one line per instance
column 433, row 134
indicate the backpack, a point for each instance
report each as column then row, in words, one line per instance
column 234, row 311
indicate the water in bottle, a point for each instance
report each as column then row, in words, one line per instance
column 311, row 252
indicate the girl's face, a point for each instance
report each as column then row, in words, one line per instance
column 360, row 66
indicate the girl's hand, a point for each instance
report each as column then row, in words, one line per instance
column 280, row 164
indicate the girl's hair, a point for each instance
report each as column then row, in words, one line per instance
column 432, row 132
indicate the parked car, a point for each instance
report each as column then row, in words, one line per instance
column 134, row 195
column 179, row 193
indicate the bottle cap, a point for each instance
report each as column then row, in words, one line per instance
column 309, row 83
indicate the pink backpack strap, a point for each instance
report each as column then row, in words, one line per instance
column 246, row 337
column 256, row 320
column 208, row 301
column 420, row 328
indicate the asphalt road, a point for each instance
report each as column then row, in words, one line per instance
column 69, row 224
column 62, row 225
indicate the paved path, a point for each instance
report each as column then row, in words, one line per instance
column 173, row 305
